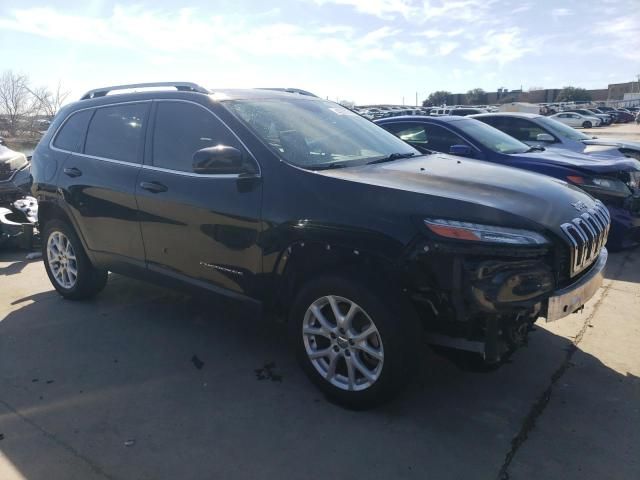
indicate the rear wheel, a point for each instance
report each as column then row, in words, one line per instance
column 587, row 124
column 67, row 265
column 358, row 350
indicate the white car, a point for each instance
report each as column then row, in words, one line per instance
column 577, row 119
column 438, row 112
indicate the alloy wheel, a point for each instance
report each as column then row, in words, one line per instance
column 343, row 343
column 62, row 261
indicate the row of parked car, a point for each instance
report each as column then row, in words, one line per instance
column 585, row 116
column 363, row 236
column 595, row 117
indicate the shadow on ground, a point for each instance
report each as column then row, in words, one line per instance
column 143, row 383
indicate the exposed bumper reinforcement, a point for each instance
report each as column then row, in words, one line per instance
column 569, row 299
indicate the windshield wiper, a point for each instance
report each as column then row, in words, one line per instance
column 535, row 149
column 326, row 166
column 391, row 158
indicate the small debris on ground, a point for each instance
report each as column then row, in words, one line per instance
column 50, row 381
column 34, row 380
column 129, row 443
column 197, row 362
column 267, row 373
column 1, row 436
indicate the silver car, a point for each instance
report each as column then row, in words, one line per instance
column 540, row 131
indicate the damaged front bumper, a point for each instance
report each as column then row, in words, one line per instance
column 567, row 300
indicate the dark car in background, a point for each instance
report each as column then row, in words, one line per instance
column 15, row 178
column 463, row 112
column 614, row 182
column 302, row 207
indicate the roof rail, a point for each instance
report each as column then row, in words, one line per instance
column 290, row 90
column 181, row 86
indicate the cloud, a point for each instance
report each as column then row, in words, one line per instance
column 624, row 36
column 162, row 33
column 558, row 13
column 445, row 48
column 385, row 9
column 499, row 46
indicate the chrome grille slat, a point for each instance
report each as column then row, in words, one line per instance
column 587, row 234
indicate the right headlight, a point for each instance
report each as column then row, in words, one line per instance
column 601, row 185
column 483, row 233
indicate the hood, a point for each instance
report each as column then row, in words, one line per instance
column 583, row 162
column 10, row 161
column 613, row 142
column 473, row 190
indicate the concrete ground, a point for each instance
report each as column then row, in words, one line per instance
column 143, row 383
column 114, row 389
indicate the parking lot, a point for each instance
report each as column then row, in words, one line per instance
column 145, row 383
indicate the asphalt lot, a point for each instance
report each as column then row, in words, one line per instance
column 144, row 383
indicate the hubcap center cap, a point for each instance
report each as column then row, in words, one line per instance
column 342, row 342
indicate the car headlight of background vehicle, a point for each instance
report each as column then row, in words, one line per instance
column 601, row 185
column 483, row 233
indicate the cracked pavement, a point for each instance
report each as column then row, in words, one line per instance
column 108, row 389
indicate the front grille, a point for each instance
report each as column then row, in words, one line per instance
column 587, row 234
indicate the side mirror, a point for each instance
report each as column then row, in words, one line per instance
column 461, row 150
column 219, row 160
column 545, row 137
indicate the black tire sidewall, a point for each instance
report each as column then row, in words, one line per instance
column 398, row 337
column 586, row 125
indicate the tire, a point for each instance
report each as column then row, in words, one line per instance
column 368, row 371
column 63, row 254
column 586, row 124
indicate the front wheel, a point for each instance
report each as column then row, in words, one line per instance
column 587, row 124
column 359, row 350
column 67, row 265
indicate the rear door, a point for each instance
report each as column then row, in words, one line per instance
column 202, row 228
column 99, row 175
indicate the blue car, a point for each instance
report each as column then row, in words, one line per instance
column 616, row 182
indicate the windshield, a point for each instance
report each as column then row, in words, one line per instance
column 492, row 138
column 315, row 133
column 562, row 130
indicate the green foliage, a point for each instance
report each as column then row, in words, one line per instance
column 476, row 96
column 436, row 98
column 573, row 94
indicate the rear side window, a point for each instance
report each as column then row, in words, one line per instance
column 523, row 130
column 71, row 135
column 181, row 129
column 116, row 132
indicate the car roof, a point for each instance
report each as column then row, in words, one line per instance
column 215, row 94
column 508, row 114
column 414, row 118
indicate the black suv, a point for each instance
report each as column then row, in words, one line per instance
column 364, row 244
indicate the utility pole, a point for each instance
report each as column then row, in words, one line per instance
column 403, row 100
column 416, row 99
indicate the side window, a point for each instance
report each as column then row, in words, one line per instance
column 409, row 133
column 441, row 139
column 116, row 132
column 71, row 135
column 522, row 129
column 181, row 129
column 495, row 122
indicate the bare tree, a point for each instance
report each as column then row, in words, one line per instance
column 50, row 101
column 16, row 101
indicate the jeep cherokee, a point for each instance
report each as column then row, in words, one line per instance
column 302, row 206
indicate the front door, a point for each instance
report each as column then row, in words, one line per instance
column 197, row 227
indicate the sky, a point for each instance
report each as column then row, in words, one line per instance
column 367, row 51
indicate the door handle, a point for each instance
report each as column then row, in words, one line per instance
column 153, row 187
column 72, row 172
